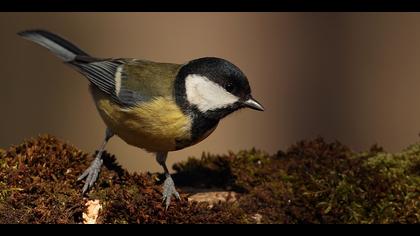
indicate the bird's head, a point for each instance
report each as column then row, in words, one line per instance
column 214, row 87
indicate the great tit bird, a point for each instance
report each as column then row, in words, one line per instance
column 159, row 107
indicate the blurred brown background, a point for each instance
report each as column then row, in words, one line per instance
column 354, row 77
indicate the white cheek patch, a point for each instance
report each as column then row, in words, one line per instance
column 206, row 94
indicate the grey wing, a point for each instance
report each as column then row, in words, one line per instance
column 105, row 75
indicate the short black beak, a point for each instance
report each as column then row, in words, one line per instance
column 253, row 104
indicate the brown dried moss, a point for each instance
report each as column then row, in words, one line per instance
column 36, row 182
column 38, row 185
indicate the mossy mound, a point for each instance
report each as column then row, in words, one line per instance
column 316, row 182
column 38, row 185
column 312, row 182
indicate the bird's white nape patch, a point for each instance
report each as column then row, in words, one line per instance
column 118, row 80
column 206, row 94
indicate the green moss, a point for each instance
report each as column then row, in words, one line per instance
column 399, row 176
column 319, row 182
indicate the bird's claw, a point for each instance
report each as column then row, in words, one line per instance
column 91, row 174
column 168, row 191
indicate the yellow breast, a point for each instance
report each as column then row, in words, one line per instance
column 154, row 125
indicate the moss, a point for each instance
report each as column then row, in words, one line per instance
column 31, row 173
column 39, row 186
column 398, row 179
column 313, row 181
column 319, row 182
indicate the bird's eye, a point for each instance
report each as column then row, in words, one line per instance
column 229, row 87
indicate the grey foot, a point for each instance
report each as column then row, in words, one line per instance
column 168, row 191
column 91, row 174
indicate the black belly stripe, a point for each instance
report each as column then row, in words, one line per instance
column 201, row 125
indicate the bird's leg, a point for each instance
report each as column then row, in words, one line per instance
column 91, row 174
column 168, row 185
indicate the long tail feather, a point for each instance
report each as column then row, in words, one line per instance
column 56, row 44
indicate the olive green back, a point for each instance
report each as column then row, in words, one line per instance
column 149, row 79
